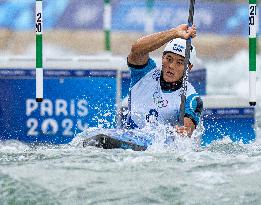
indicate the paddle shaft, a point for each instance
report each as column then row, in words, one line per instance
column 186, row 67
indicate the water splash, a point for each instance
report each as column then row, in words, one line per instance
column 157, row 138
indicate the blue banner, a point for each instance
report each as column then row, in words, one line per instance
column 82, row 14
column 73, row 101
column 236, row 123
column 216, row 18
column 20, row 14
column 70, row 105
column 77, row 99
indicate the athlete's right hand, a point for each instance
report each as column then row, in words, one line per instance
column 184, row 31
column 183, row 131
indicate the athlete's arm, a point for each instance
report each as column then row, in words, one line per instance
column 140, row 50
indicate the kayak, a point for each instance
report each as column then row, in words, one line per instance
column 115, row 140
column 119, row 139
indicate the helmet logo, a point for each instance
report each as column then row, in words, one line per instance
column 178, row 48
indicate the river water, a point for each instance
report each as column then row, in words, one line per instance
column 222, row 173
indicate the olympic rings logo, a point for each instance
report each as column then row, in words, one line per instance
column 159, row 101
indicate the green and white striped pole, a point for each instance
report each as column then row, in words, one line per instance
column 39, row 50
column 107, row 25
column 149, row 24
column 252, row 51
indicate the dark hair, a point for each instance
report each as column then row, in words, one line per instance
column 166, row 52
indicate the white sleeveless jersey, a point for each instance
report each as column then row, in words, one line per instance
column 148, row 103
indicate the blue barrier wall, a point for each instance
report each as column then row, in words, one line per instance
column 72, row 102
column 236, row 123
column 77, row 99
column 218, row 18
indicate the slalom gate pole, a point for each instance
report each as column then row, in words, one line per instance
column 252, row 51
column 39, row 51
column 149, row 24
column 107, row 25
column 186, row 68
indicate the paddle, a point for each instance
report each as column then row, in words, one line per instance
column 186, row 69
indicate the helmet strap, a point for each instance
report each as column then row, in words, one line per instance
column 167, row 86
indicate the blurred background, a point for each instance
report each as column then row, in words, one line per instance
column 75, row 27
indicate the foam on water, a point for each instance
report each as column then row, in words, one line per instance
column 70, row 174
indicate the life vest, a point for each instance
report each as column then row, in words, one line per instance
column 149, row 104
